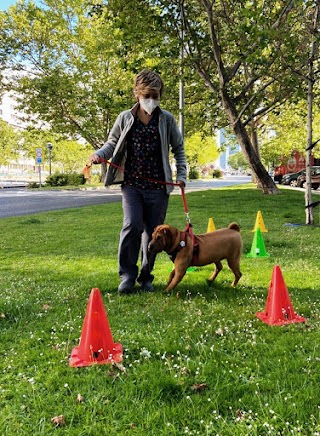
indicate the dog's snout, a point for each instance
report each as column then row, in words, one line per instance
column 150, row 245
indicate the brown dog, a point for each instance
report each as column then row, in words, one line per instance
column 212, row 248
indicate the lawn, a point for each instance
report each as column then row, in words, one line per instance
column 196, row 362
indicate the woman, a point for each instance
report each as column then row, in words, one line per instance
column 140, row 142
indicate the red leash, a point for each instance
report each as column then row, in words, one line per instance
column 162, row 182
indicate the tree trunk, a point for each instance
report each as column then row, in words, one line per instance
column 308, row 195
column 254, row 140
column 311, row 80
column 265, row 182
column 255, row 145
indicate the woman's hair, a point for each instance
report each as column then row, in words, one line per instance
column 148, row 81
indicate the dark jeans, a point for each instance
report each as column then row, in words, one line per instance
column 143, row 210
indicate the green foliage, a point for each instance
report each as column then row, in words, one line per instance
column 217, row 174
column 200, row 150
column 195, row 362
column 57, row 179
column 76, row 179
column 82, row 79
column 64, row 179
column 71, row 155
column 33, row 185
column 193, row 173
column 289, row 125
column 238, row 161
column 79, row 84
column 9, row 143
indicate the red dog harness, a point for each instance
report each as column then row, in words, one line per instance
column 182, row 244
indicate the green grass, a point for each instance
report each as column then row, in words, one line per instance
column 257, row 379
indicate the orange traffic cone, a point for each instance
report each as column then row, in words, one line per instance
column 279, row 309
column 96, row 343
column 211, row 227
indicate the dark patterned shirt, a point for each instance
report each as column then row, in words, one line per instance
column 144, row 159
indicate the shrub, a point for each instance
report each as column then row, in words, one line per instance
column 33, row 185
column 57, row 179
column 217, row 174
column 76, row 179
column 62, row 179
column 193, row 173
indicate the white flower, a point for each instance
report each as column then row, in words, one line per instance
column 145, row 353
column 219, row 331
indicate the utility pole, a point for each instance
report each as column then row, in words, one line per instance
column 181, row 87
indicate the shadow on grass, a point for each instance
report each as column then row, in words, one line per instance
column 219, row 291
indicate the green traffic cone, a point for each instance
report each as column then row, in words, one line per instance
column 258, row 249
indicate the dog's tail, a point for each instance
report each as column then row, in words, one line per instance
column 234, row 226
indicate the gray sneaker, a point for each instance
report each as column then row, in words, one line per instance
column 147, row 286
column 126, row 287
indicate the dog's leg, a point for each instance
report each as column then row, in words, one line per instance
column 235, row 268
column 170, row 277
column 216, row 271
column 237, row 277
column 176, row 277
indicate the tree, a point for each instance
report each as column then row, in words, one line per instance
column 67, row 155
column 67, row 72
column 307, row 70
column 286, row 130
column 9, row 143
column 238, row 161
column 236, row 47
column 200, row 150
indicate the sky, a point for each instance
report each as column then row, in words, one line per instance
column 4, row 4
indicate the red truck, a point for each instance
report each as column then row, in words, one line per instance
column 292, row 164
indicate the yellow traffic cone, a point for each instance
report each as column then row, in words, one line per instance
column 260, row 223
column 211, row 227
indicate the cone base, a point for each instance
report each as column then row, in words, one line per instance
column 264, row 318
column 257, row 256
column 76, row 361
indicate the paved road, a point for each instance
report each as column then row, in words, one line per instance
column 21, row 201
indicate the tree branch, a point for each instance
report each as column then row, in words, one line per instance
column 233, row 70
column 263, row 111
column 254, row 96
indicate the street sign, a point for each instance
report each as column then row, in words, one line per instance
column 38, row 155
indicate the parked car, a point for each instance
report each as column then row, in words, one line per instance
column 291, row 178
column 315, row 178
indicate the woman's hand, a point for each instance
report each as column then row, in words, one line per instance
column 95, row 159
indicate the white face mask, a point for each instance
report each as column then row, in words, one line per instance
column 148, row 104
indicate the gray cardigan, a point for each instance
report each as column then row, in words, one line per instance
column 171, row 139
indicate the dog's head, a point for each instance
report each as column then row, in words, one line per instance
column 163, row 239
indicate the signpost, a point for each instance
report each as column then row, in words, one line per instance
column 39, row 162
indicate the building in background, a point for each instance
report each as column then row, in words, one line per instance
column 222, row 161
column 22, row 167
column 10, row 113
